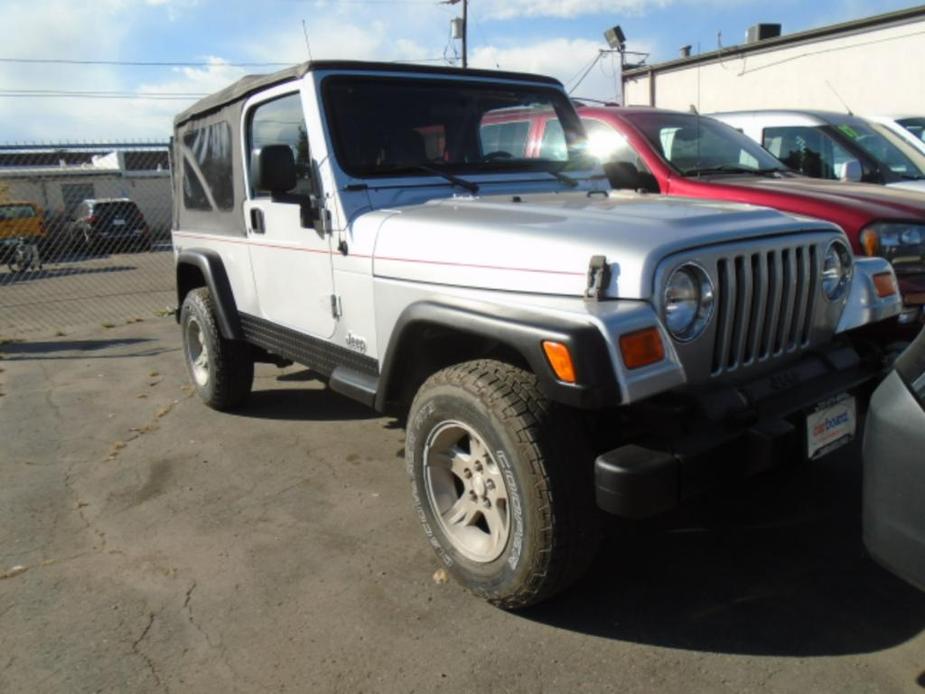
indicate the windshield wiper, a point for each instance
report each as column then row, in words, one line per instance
column 732, row 169
column 471, row 186
column 567, row 180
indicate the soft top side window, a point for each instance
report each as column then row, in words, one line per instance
column 280, row 122
column 208, row 181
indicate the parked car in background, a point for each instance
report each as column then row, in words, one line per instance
column 894, row 468
column 22, row 232
column 677, row 153
column 109, row 225
column 909, row 128
column 837, row 146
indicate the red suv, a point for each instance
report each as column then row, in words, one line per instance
column 685, row 154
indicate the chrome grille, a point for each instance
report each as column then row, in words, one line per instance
column 765, row 304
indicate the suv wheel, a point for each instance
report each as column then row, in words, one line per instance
column 221, row 370
column 502, row 482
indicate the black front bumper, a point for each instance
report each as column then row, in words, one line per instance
column 711, row 436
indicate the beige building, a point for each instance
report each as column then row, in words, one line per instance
column 142, row 175
column 874, row 65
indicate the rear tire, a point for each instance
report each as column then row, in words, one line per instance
column 222, row 370
column 502, row 481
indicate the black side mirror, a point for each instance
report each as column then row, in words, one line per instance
column 275, row 169
column 624, row 175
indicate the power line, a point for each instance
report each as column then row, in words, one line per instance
column 55, row 94
column 105, row 92
column 137, row 63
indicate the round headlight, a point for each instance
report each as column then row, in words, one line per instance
column 688, row 302
column 836, row 270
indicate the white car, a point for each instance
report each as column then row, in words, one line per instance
column 552, row 346
column 909, row 128
column 824, row 144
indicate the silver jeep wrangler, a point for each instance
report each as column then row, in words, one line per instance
column 555, row 347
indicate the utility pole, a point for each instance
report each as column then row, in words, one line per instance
column 465, row 34
column 461, row 28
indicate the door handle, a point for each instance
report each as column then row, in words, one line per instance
column 257, row 225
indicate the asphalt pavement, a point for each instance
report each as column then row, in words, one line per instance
column 150, row 544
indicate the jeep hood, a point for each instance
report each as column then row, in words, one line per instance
column 543, row 243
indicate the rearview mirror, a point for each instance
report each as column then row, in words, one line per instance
column 624, row 175
column 275, row 169
column 851, row 171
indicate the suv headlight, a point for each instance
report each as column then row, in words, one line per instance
column 836, row 270
column 888, row 236
column 688, row 302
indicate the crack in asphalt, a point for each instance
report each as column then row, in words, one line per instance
column 144, row 656
column 187, row 605
column 150, row 426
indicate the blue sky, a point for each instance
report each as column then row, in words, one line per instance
column 557, row 37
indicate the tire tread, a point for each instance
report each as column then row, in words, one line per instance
column 544, row 430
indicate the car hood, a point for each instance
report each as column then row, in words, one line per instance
column 876, row 201
column 543, row 243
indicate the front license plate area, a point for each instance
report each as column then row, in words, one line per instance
column 831, row 425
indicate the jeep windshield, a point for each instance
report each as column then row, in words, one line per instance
column 697, row 146
column 384, row 126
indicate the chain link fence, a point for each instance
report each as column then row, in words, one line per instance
column 84, row 236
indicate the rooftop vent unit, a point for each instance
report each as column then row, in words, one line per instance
column 760, row 32
column 685, row 51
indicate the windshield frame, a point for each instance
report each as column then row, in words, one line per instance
column 748, row 145
column 563, row 111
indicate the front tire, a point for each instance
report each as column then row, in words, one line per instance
column 222, row 371
column 502, row 481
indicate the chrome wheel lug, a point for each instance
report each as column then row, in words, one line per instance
column 486, row 503
column 467, row 473
column 489, row 485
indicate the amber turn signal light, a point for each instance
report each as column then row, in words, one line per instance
column 870, row 242
column 885, row 284
column 560, row 359
column 641, row 348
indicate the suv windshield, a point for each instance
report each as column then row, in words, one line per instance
column 696, row 145
column 391, row 126
column 916, row 126
column 888, row 149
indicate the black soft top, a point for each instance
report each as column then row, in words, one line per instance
column 250, row 84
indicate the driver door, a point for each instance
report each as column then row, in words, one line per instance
column 291, row 263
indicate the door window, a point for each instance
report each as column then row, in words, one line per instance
column 281, row 122
column 809, row 150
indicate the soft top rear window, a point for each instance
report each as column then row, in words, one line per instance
column 385, row 126
column 208, row 181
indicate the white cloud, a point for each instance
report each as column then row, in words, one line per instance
column 509, row 9
column 565, row 59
